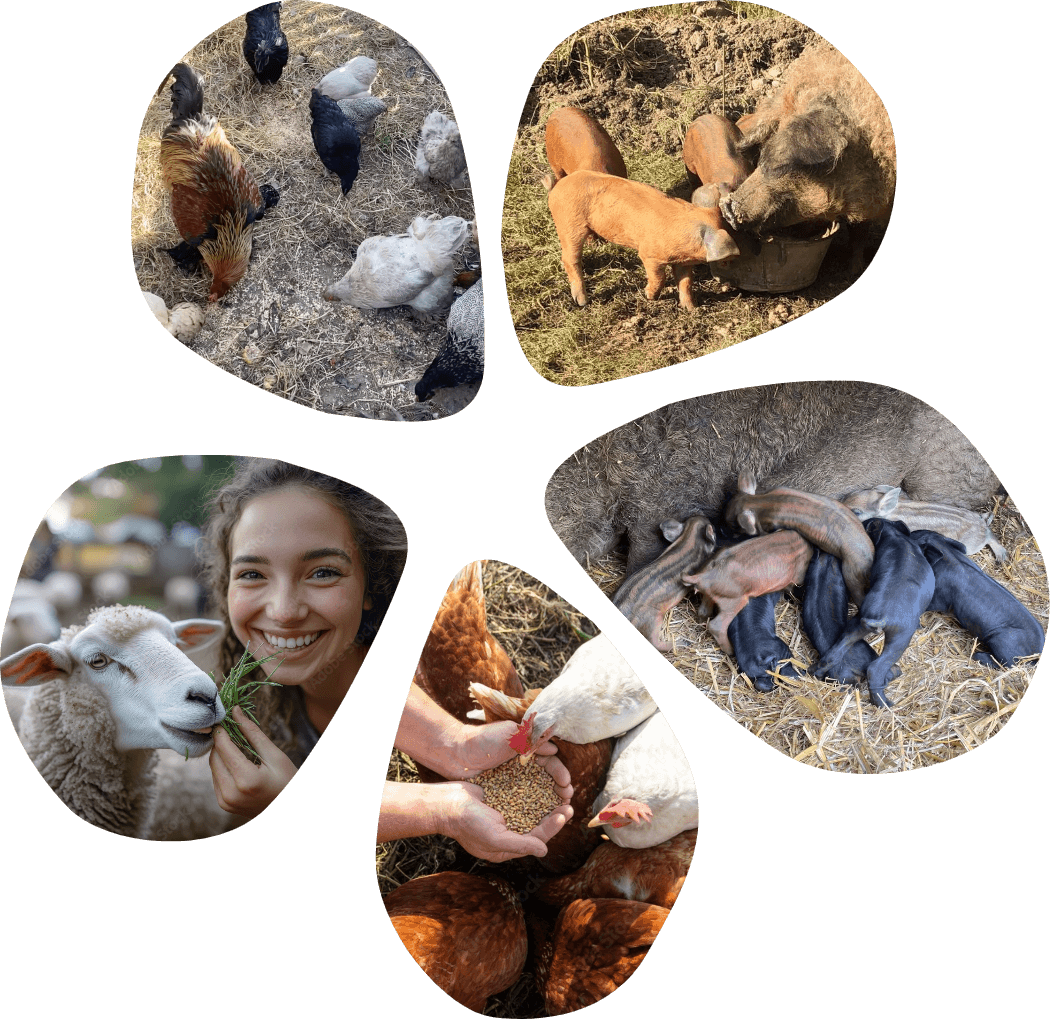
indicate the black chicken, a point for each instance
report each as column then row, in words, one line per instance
column 335, row 138
column 265, row 45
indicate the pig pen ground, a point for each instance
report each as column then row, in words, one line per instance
column 644, row 76
column 274, row 329
column 945, row 704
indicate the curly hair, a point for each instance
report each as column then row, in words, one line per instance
column 378, row 532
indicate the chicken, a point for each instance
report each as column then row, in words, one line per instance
column 265, row 45
column 651, row 875
column 214, row 199
column 467, row 932
column 460, row 650
column 596, row 695
column 354, row 78
column 416, row 268
column 650, row 794
column 184, row 321
column 335, row 139
column 362, row 111
column 461, row 360
column 596, row 945
column 587, row 764
column 439, row 155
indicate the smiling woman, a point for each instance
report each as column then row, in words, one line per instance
column 301, row 567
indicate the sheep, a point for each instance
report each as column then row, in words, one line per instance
column 440, row 155
column 112, row 692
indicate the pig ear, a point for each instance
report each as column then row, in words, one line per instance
column 718, row 245
column 198, row 634
column 888, row 502
column 671, row 529
column 37, row 664
column 747, row 482
column 709, row 534
column 747, row 522
column 818, row 136
column 755, row 130
column 707, row 197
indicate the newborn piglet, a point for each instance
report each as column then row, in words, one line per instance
column 757, row 648
column 825, row 522
column 748, row 570
column 902, row 587
column 990, row 612
column 825, row 612
column 647, row 596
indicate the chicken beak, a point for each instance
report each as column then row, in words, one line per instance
column 595, row 822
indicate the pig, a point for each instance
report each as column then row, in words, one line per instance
column 825, row 150
column 828, row 438
column 712, row 155
column 646, row 597
column 757, row 648
column 902, row 587
column 990, row 612
column 825, row 522
column 748, row 570
column 953, row 522
column 825, row 612
column 664, row 231
column 576, row 142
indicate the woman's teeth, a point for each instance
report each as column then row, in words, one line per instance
column 290, row 641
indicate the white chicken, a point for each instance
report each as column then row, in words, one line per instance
column 354, row 78
column 650, row 793
column 416, row 268
column 597, row 695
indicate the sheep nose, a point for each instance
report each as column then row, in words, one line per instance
column 199, row 697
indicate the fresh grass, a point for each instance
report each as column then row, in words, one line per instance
column 236, row 691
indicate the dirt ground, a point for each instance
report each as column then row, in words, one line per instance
column 274, row 329
column 645, row 76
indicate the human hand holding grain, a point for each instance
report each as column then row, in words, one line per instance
column 242, row 787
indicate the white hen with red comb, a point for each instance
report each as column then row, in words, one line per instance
column 650, row 794
column 597, row 695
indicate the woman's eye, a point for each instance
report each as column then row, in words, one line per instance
column 98, row 661
column 249, row 575
column 326, row 573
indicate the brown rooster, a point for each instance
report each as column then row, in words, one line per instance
column 214, row 200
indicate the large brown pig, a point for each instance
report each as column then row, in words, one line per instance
column 831, row 438
column 826, row 150
column 576, row 142
column 712, row 153
column 664, row 231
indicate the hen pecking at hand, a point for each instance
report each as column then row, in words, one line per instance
column 596, row 695
column 214, row 199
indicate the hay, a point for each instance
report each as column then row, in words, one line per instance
column 274, row 329
column 945, row 704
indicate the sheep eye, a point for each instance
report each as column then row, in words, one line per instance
column 98, row 661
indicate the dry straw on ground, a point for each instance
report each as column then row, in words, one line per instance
column 274, row 329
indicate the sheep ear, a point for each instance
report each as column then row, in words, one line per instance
column 746, row 482
column 37, row 664
column 198, row 634
column 671, row 529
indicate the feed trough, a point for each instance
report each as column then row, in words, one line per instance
column 784, row 262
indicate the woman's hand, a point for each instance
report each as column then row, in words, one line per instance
column 240, row 786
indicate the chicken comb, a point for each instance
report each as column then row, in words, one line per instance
column 520, row 741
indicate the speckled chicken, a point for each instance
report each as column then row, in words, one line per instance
column 461, row 361
column 214, row 199
column 439, row 155
column 467, row 932
column 416, row 268
column 265, row 45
